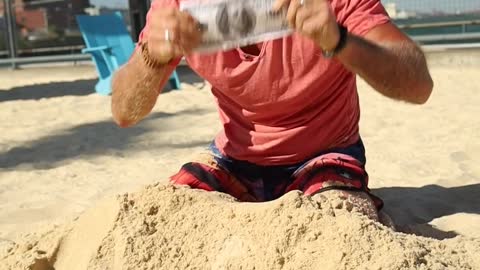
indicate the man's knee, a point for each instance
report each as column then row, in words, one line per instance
column 184, row 178
column 211, row 178
column 197, row 176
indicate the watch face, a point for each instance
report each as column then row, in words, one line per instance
column 235, row 21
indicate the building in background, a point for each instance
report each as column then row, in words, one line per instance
column 45, row 20
column 60, row 14
column 45, row 26
column 28, row 21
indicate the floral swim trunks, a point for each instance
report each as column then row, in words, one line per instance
column 341, row 169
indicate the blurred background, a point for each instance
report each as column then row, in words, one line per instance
column 45, row 30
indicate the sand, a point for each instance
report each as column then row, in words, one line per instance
column 60, row 154
column 165, row 227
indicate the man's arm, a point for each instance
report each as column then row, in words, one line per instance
column 135, row 90
column 135, row 87
column 390, row 62
column 386, row 58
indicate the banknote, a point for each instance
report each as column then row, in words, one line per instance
column 227, row 24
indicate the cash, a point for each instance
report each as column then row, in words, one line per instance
column 227, row 24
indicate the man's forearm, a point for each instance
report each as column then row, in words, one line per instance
column 135, row 90
column 397, row 70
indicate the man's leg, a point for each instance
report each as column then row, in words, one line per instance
column 206, row 174
column 338, row 180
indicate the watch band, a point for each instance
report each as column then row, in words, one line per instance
column 342, row 42
column 148, row 60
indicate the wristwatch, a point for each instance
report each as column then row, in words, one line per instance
column 342, row 42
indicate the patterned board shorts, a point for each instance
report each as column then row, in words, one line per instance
column 341, row 169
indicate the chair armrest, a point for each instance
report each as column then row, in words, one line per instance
column 95, row 49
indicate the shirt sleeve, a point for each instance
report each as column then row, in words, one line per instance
column 360, row 16
column 158, row 4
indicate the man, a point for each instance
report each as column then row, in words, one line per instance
column 289, row 107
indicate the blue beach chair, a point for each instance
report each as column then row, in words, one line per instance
column 110, row 45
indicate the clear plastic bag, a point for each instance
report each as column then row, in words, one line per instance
column 227, row 24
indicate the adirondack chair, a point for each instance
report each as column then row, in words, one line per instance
column 110, row 45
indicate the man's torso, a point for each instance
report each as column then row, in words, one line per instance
column 282, row 102
column 282, row 105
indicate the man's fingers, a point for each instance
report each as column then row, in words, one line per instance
column 160, row 50
column 292, row 12
column 190, row 33
column 173, row 34
column 279, row 4
column 188, row 25
column 167, row 50
column 185, row 19
column 303, row 14
column 320, row 19
column 190, row 41
column 167, row 12
column 167, row 30
column 310, row 26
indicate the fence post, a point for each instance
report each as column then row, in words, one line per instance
column 138, row 16
column 10, row 20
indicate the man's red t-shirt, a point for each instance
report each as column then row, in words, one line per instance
column 288, row 103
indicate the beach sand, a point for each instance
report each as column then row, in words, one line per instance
column 60, row 154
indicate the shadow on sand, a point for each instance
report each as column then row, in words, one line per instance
column 408, row 206
column 77, row 88
column 92, row 139
column 49, row 90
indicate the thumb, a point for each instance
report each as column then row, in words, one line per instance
column 279, row 4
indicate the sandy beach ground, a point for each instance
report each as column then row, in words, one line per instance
column 60, row 152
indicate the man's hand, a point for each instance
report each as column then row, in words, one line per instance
column 172, row 34
column 403, row 74
column 314, row 19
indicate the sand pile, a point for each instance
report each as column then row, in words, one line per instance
column 163, row 227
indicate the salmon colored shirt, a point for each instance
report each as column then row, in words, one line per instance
column 288, row 103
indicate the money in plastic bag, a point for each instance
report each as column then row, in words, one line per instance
column 228, row 24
